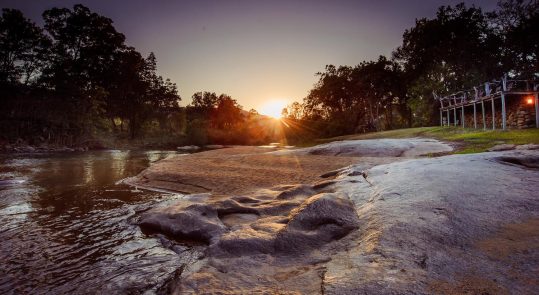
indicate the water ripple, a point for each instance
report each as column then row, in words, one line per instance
column 66, row 228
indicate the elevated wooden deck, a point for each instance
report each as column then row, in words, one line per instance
column 489, row 92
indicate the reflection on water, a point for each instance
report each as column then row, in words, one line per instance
column 66, row 227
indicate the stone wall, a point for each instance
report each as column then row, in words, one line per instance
column 520, row 115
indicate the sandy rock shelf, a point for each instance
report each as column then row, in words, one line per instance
column 386, row 223
column 242, row 169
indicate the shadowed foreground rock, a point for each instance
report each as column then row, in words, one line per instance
column 447, row 225
column 189, row 222
column 263, row 225
column 261, row 235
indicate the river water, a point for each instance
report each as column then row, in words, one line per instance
column 66, row 227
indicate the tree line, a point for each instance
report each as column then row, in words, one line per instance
column 76, row 81
column 459, row 48
column 74, row 78
column 219, row 119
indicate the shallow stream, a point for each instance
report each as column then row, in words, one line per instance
column 67, row 227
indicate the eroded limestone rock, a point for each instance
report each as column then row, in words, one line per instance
column 321, row 219
column 424, row 223
column 422, row 226
column 276, row 234
column 185, row 221
column 286, row 222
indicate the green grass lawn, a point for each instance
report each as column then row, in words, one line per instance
column 467, row 140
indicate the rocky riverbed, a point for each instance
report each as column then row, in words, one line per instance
column 376, row 222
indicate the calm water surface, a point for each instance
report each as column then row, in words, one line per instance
column 66, row 227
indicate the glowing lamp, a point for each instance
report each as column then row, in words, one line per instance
column 529, row 100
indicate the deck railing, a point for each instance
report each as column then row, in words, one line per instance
column 489, row 91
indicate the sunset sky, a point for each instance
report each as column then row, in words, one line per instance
column 255, row 51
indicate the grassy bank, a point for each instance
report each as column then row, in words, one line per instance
column 466, row 140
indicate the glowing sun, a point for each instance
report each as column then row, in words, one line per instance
column 273, row 108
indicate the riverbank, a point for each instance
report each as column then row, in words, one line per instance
column 23, row 148
column 387, row 223
column 429, row 225
column 463, row 141
column 242, row 169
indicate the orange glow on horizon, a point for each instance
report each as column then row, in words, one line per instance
column 273, row 108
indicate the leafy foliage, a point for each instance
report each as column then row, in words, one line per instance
column 76, row 79
column 459, row 48
column 73, row 76
column 363, row 98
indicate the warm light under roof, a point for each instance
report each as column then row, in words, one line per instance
column 273, row 108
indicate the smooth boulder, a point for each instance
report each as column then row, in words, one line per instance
column 193, row 222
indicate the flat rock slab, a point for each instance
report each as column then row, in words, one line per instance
column 242, row 169
column 444, row 225
column 454, row 224
column 238, row 170
column 448, row 225
column 409, row 147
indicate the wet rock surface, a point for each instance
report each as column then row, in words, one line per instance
column 265, row 234
column 271, row 225
column 238, row 170
column 451, row 224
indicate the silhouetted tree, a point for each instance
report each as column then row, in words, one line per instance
column 356, row 98
column 23, row 48
column 227, row 114
column 456, row 49
column 67, row 82
column 23, row 53
column 84, row 47
column 516, row 22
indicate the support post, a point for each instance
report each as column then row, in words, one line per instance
column 493, row 114
column 462, row 116
column 504, row 122
column 455, row 115
column 484, row 119
column 474, row 116
column 448, row 119
column 537, row 110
